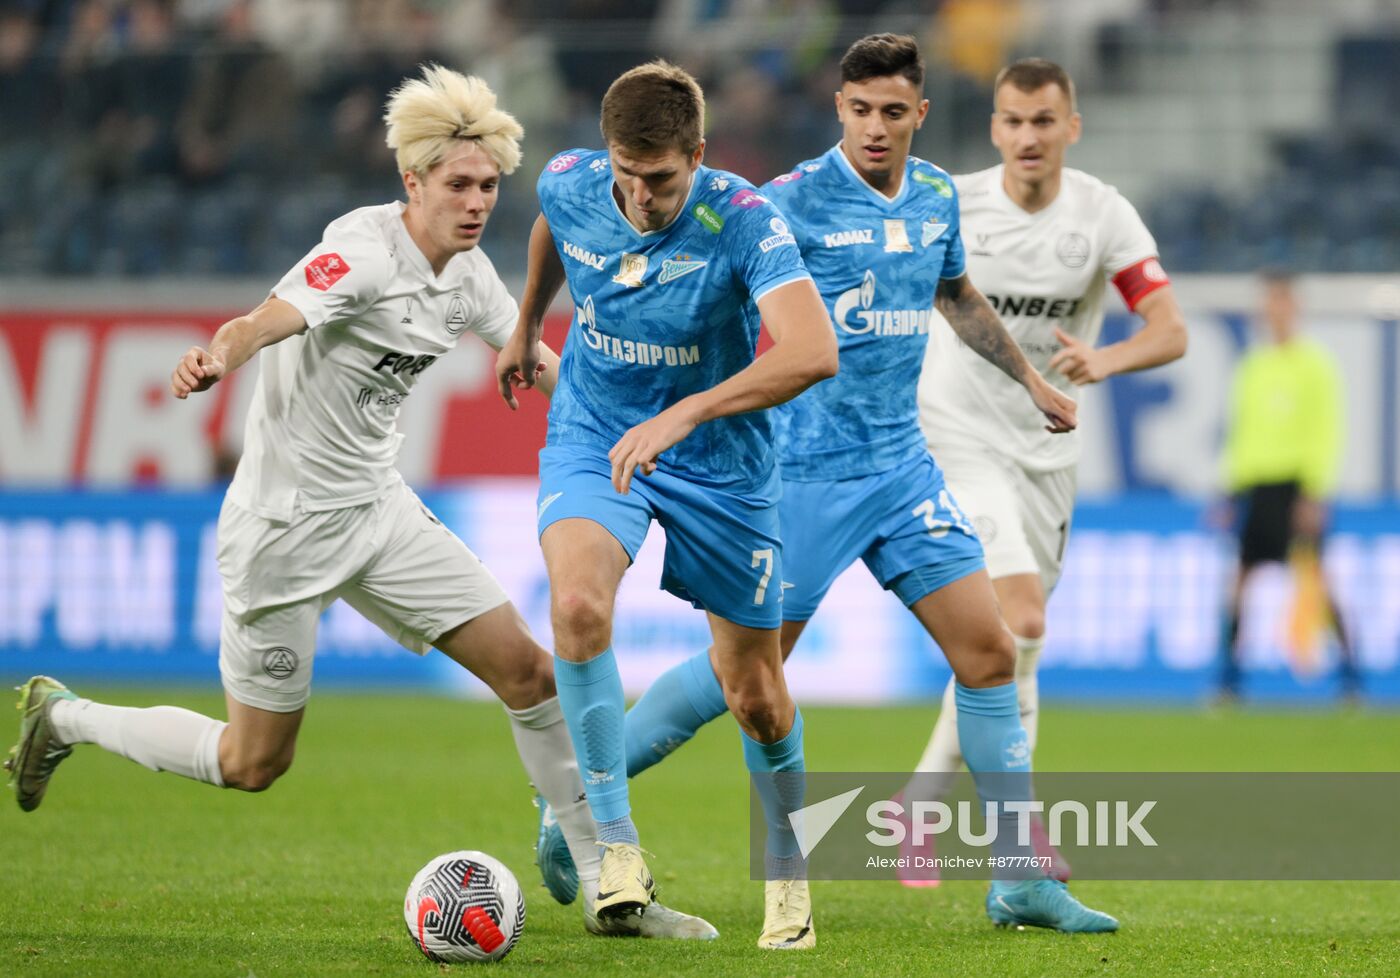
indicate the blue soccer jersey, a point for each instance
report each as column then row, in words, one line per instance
column 664, row 314
column 877, row 263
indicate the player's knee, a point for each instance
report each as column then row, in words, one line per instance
column 255, row 773
column 757, row 712
column 995, row 662
column 581, row 614
column 1027, row 622
column 530, row 682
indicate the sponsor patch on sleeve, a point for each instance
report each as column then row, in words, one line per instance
column 324, row 271
column 563, row 162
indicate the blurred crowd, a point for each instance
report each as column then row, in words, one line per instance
column 216, row 137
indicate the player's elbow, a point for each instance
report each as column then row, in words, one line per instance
column 824, row 369
column 823, row 361
column 1175, row 339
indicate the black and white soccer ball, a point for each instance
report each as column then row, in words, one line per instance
column 464, row 906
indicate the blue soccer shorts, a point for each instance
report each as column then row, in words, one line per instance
column 898, row 522
column 722, row 548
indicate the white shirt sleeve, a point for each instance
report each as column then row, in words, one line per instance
column 497, row 311
column 1127, row 240
column 341, row 277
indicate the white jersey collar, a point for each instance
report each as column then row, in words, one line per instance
column 415, row 254
column 999, row 188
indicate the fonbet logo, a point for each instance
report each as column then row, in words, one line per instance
column 891, row 822
column 856, row 315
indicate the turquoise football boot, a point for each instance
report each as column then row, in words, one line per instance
column 1044, row 903
column 552, row 856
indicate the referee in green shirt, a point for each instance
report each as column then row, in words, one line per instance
column 1283, row 447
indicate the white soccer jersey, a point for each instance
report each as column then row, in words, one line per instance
column 321, row 430
column 1039, row 271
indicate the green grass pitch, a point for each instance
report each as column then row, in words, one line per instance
column 126, row 872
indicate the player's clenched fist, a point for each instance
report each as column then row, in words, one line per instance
column 198, row 370
column 1059, row 409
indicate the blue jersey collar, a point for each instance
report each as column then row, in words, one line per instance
column 643, row 235
column 860, row 181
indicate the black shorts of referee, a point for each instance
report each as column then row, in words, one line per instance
column 1264, row 519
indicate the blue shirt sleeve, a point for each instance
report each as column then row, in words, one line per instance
column 552, row 179
column 954, row 258
column 763, row 250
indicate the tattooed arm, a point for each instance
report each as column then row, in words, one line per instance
column 978, row 325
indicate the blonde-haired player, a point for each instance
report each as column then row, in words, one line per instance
column 317, row 510
column 1043, row 241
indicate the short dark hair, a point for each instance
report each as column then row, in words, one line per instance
column 880, row 55
column 1033, row 74
column 654, row 107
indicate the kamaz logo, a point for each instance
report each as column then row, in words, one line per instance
column 857, row 303
column 842, row 239
column 583, row 256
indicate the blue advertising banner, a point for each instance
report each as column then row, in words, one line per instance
column 102, row 586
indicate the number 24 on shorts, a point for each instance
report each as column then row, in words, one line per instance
column 940, row 523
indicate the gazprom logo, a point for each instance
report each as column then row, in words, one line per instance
column 632, row 351
column 863, row 296
column 854, row 313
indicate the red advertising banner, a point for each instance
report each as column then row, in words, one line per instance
column 85, row 399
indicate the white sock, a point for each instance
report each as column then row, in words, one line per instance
column 942, row 758
column 162, row 738
column 542, row 739
column 1027, row 689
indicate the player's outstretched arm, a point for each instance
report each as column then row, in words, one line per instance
column 546, row 370
column 233, row 345
column 522, row 362
column 978, row 325
column 1161, row 339
column 804, row 352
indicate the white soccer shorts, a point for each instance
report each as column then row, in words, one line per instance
column 1021, row 516
column 391, row 560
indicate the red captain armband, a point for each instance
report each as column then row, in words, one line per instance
column 1137, row 282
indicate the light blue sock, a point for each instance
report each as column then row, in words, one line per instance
column 998, row 754
column 780, row 771
column 682, row 700
column 618, row 830
column 590, row 695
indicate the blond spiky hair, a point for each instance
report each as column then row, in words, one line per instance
column 427, row 116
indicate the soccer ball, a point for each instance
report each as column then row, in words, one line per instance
column 464, row 906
